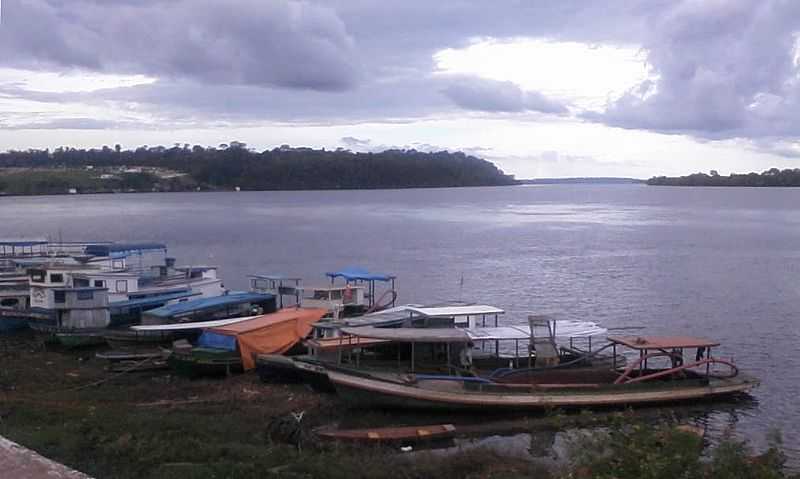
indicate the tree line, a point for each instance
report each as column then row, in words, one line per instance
column 771, row 177
column 234, row 165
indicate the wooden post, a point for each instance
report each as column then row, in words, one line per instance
column 412, row 356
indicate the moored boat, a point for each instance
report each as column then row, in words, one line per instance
column 232, row 348
column 639, row 383
column 383, row 435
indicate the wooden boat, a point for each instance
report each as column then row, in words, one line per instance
column 404, row 435
column 231, row 348
column 636, row 384
column 198, row 361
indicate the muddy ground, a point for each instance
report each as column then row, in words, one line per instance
column 68, row 407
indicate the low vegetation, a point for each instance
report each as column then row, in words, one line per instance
column 772, row 177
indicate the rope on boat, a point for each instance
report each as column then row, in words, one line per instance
column 506, row 372
column 625, row 377
column 380, row 307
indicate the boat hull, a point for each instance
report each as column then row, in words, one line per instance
column 197, row 364
column 274, row 368
column 11, row 324
column 363, row 391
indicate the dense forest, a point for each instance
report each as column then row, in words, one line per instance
column 772, row 177
column 235, row 166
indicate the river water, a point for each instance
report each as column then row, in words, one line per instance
column 721, row 263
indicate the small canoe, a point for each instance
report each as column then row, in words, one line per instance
column 406, row 434
column 113, row 356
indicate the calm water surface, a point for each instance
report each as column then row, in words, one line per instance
column 721, row 263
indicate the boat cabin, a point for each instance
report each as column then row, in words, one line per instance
column 73, row 308
column 341, row 300
column 166, row 278
column 279, row 285
column 120, row 285
column 23, row 248
column 355, row 276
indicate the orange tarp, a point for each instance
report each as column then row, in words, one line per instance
column 273, row 333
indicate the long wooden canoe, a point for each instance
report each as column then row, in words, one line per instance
column 364, row 390
column 406, row 434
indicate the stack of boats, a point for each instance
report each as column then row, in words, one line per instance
column 347, row 336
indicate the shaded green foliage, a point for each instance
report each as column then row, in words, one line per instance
column 772, row 177
column 665, row 452
column 282, row 168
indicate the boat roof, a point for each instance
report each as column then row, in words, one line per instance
column 331, row 287
column 439, row 335
column 192, row 325
column 354, row 273
column 215, row 302
column 23, row 241
column 200, row 267
column 152, row 300
column 265, row 320
column 662, row 342
column 448, row 311
column 274, row 277
column 108, row 249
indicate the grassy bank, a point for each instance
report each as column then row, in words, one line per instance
column 67, row 407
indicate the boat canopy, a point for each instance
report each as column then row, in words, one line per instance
column 123, row 248
column 157, row 300
column 274, row 277
column 450, row 311
column 662, row 342
column 273, row 333
column 439, row 335
column 359, row 274
column 568, row 329
column 209, row 304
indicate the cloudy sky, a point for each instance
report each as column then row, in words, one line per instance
column 542, row 88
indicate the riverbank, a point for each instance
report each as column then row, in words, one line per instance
column 65, row 406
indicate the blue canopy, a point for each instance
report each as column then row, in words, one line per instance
column 209, row 304
column 210, row 339
column 151, row 301
column 359, row 274
column 123, row 248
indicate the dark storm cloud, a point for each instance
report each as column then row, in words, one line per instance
column 722, row 68
column 725, row 69
column 278, row 43
column 499, row 96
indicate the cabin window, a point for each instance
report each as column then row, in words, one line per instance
column 84, row 295
column 59, row 296
column 56, row 278
column 80, row 282
column 122, row 286
column 320, row 294
column 196, row 274
column 337, row 294
column 9, row 302
column 99, row 283
column 37, row 276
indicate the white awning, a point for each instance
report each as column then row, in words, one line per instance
column 195, row 325
column 450, row 311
